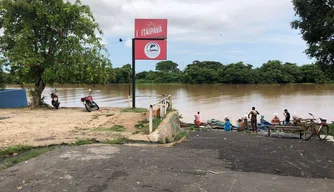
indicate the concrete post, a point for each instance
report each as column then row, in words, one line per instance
column 162, row 110
column 165, row 107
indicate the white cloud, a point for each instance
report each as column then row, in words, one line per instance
column 202, row 20
column 192, row 52
column 128, row 43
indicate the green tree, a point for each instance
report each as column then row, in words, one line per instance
column 271, row 72
column 312, row 74
column 208, row 64
column 2, row 78
column 51, row 41
column 291, row 73
column 202, row 72
column 316, row 23
column 237, row 73
column 167, row 66
column 123, row 74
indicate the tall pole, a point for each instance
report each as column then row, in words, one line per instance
column 134, row 67
column 133, row 74
column 129, row 81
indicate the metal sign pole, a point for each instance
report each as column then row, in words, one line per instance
column 134, row 66
column 133, row 73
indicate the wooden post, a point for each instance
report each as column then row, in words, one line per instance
column 269, row 132
column 245, row 124
column 151, row 119
column 171, row 102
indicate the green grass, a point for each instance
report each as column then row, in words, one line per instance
column 181, row 135
column 14, row 149
column 134, row 110
column 331, row 129
column 193, row 128
column 22, row 153
column 115, row 128
column 120, row 140
column 143, row 126
column 156, row 123
column 81, row 142
column 296, row 132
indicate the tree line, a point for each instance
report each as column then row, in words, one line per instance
column 201, row 72
column 209, row 72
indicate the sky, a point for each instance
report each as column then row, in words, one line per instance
column 227, row 31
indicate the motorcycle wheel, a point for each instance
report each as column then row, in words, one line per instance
column 89, row 109
column 55, row 104
column 95, row 105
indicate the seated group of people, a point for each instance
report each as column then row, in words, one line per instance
column 240, row 123
column 276, row 120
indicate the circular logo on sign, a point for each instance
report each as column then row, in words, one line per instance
column 152, row 50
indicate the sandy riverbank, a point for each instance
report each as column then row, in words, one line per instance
column 50, row 126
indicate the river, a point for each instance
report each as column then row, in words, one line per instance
column 213, row 101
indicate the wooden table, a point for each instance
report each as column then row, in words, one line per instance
column 287, row 128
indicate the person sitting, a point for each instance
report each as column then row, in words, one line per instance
column 227, row 125
column 240, row 125
column 197, row 119
column 263, row 121
column 275, row 120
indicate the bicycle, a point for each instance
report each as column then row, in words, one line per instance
column 311, row 129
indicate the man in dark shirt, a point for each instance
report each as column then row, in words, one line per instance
column 287, row 117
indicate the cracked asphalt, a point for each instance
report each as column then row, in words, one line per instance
column 206, row 161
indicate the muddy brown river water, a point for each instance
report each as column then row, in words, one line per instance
column 213, row 101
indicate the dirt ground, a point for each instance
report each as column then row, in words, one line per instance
column 38, row 127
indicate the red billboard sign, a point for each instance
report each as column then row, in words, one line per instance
column 151, row 50
column 151, row 28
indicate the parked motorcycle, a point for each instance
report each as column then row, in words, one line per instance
column 54, row 99
column 89, row 103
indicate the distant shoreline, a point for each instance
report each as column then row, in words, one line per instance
column 273, row 84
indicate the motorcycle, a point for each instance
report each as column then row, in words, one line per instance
column 54, row 99
column 89, row 103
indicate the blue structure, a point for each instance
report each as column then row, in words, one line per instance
column 13, row 98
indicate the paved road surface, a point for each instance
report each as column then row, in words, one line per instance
column 208, row 161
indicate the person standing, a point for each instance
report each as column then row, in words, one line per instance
column 253, row 116
column 197, row 119
column 287, row 117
